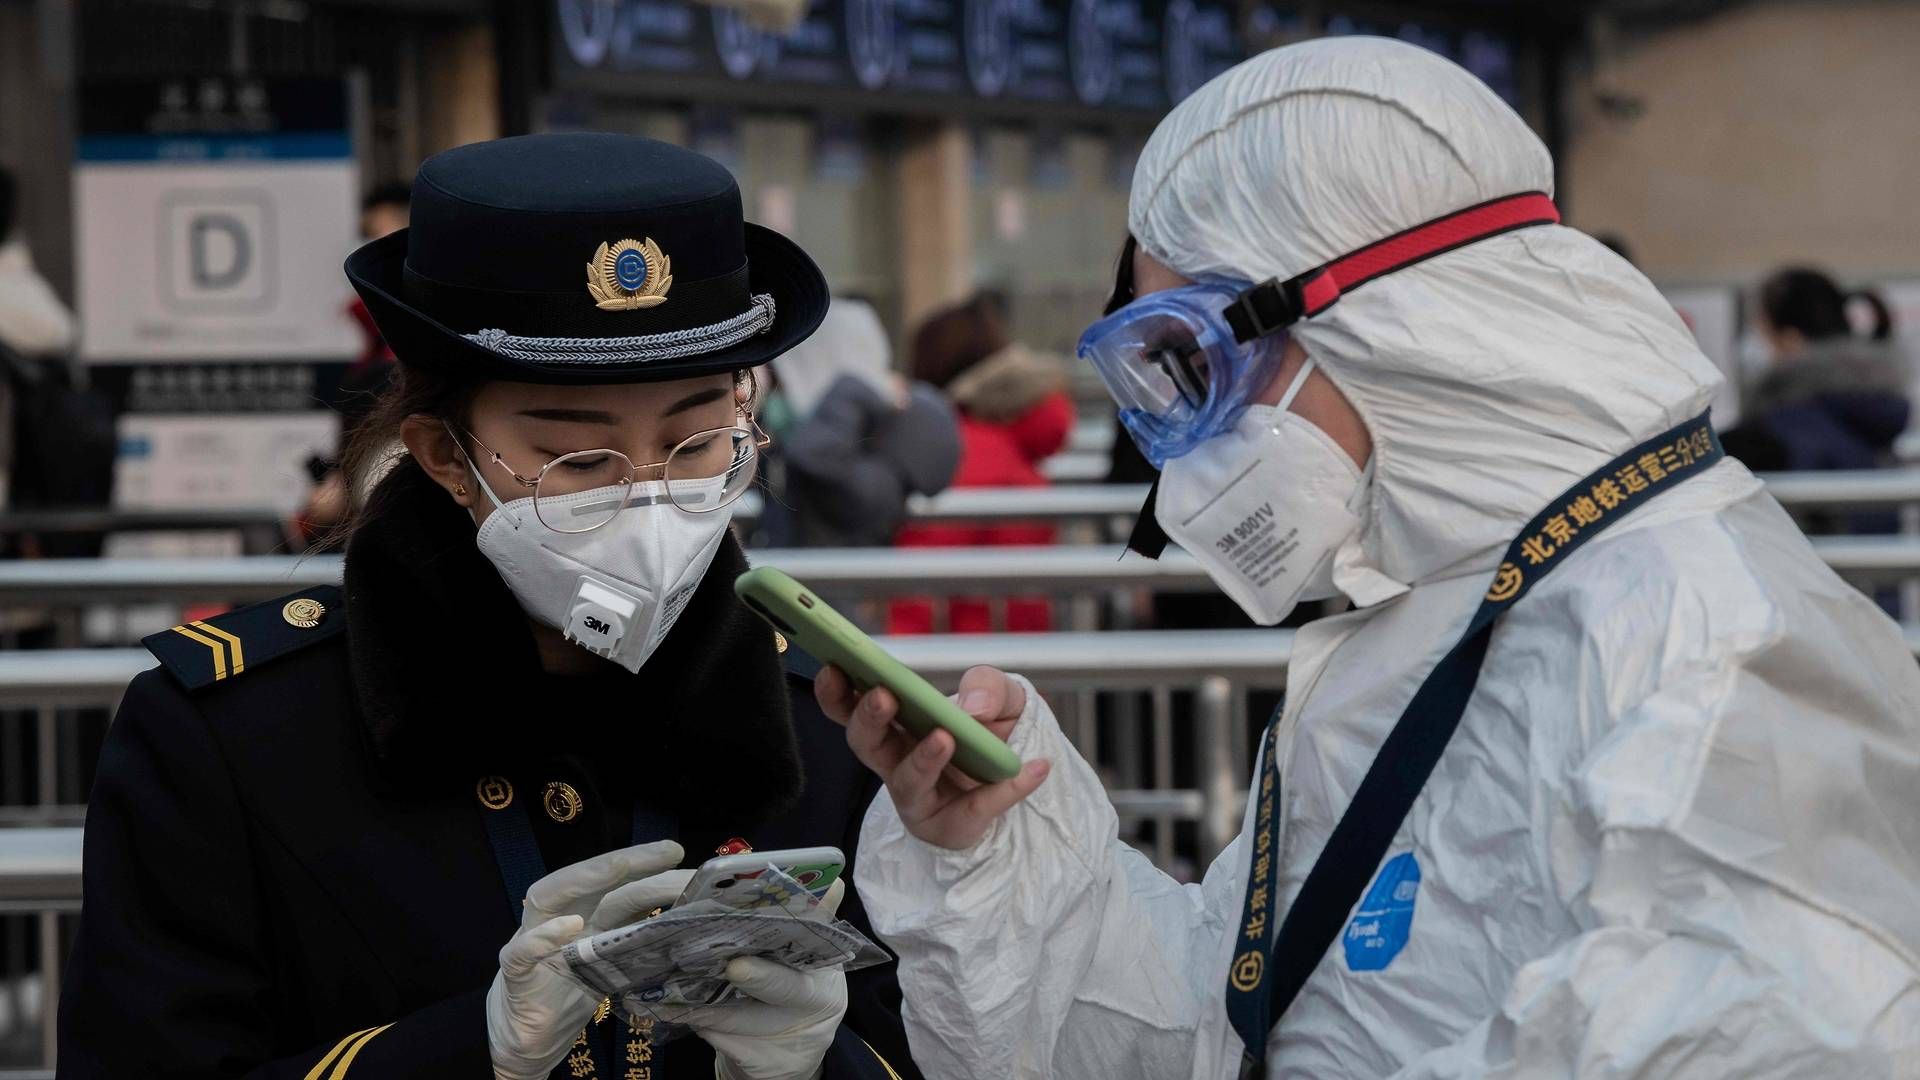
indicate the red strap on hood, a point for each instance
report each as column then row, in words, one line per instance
column 1273, row 305
column 1320, row 288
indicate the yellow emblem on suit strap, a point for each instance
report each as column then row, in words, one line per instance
column 233, row 644
column 884, row 1063
column 220, row 647
column 203, row 652
column 305, row 612
column 351, row 1046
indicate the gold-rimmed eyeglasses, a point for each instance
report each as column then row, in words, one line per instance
column 581, row 491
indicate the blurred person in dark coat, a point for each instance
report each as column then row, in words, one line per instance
column 1834, row 398
column 33, row 322
column 857, row 439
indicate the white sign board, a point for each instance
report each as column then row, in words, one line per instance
column 220, row 461
column 212, row 225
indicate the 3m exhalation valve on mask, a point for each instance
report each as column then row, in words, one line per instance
column 600, row 616
column 1183, row 364
column 614, row 591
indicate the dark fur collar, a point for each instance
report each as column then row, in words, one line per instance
column 450, row 685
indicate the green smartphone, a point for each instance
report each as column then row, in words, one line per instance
column 795, row 611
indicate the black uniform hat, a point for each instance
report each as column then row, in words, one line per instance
column 584, row 258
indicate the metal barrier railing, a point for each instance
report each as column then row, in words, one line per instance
column 1075, row 501
column 39, row 870
column 1093, row 436
column 39, row 883
column 40, row 867
column 1054, row 570
column 1222, row 664
column 1061, row 502
column 1076, row 467
column 98, row 520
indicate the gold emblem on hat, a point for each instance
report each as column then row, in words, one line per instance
column 304, row 613
column 562, row 802
column 628, row 275
column 494, row 792
column 779, row 642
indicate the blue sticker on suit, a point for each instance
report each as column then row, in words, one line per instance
column 1384, row 920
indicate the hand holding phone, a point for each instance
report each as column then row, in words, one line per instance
column 934, row 803
column 794, row 610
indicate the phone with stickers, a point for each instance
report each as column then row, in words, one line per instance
column 722, row 878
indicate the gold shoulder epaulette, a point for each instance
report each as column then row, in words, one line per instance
column 206, row 651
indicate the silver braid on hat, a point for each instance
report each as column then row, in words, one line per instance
column 641, row 348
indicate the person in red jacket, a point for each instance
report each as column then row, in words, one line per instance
column 1014, row 413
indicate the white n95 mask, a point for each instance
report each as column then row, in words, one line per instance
column 1264, row 506
column 616, row 590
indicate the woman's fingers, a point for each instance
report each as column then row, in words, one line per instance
column 938, row 805
column 964, row 819
column 914, row 783
column 526, row 949
column 835, row 693
column 830, row 903
column 992, row 800
column 992, row 697
column 871, row 734
column 581, row 885
column 779, row 985
column 632, row 901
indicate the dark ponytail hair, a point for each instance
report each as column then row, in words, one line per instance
column 1809, row 302
column 954, row 339
column 375, row 440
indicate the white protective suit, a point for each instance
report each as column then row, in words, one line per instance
column 1677, row 833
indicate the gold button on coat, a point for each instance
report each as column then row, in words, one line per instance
column 494, row 792
column 562, row 802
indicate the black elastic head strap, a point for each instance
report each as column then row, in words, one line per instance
column 1122, row 293
column 1266, row 308
column 1147, row 537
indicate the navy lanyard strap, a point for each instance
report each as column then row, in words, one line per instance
column 517, row 852
column 1266, row 974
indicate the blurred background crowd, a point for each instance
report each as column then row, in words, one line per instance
column 181, row 357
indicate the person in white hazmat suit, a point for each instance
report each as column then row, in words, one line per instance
column 1676, row 832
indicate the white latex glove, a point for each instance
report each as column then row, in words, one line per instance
column 536, row 1007
column 782, row 1033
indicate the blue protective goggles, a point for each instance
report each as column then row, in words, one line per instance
column 1183, row 364
column 1179, row 367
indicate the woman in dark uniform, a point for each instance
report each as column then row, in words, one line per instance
column 315, row 825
